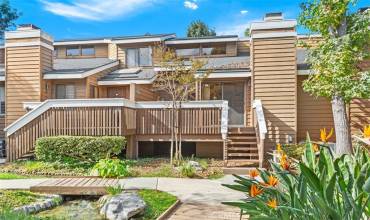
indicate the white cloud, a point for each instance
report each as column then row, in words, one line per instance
column 243, row 12
column 97, row 10
column 191, row 5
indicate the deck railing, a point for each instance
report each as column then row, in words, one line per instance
column 195, row 118
column 106, row 117
column 261, row 129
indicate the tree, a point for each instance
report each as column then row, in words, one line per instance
column 200, row 29
column 178, row 80
column 336, row 73
column 7, row 17
column 247, row 32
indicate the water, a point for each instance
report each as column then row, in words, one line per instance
column 79, row 209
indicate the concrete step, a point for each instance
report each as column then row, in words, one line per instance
column 242, row 162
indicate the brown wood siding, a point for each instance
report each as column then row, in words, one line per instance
column 101, row 50
column 274, row 83
column 313, row 114
column 22, row 79
column 93, row 80
column 145, row 93
column 121, row 55
column 359, row 114
column 46, row 65
column 243, row 47
column 231, row 49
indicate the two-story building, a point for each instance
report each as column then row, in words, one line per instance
column 252, row 100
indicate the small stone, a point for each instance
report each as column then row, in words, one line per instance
column 37, row 207
column 196, row 165
column 31, row 209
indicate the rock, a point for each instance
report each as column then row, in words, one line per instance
column 196, row 165
column 123, row 206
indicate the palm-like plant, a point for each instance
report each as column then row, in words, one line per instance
column 320, row 186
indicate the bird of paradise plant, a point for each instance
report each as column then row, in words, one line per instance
column 324, row 136
column 253, row 173
column 323, row 187
column 366, row 132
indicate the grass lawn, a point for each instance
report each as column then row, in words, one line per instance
column 9, row 176
column 157, row 202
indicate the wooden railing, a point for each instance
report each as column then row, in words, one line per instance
column 261, row 130
column 108, row 117
column 195, row 118
column 101, row 117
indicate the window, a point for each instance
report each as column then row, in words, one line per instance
column 73, row 51
column 65, row 91
column 188, row 52
column 2, row 100
column 139, row 57
column 214, row 50
column 87, row 50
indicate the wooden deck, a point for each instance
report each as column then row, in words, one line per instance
column 75, row 186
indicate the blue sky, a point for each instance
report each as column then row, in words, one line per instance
column 95, row 18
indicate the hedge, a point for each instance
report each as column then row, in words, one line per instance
column 78, row 148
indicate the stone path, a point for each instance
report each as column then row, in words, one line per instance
column 201, row 198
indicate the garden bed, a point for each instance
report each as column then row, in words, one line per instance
column 148, row 167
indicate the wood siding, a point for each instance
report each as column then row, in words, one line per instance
column 145, row 93
column 101, row 50
column 79, row 121
column 243, row 47
column 359, row 111
column 274, row 82
column 313, row 114
column 80, row 87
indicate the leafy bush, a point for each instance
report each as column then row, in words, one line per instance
column 294, row 150
column 186, row 169
column 12, row 199
column 322, row 187
column 112, row 168
column 78, row 149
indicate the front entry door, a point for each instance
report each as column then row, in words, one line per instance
column 234, row 94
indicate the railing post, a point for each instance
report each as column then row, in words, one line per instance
column 224, row 119
column 262, row 130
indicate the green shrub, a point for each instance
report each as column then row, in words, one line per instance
column 7, row 214
column 114, row 190
column 186, row 169
column 78, row 149
column 294, row 150
column 322, row 187
column 112, row 168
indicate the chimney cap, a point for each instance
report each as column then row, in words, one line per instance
column 27, row 27
column 274, row 16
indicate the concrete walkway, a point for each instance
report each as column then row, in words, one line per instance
column 199, row 197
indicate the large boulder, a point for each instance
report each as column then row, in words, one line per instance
column 123, row 206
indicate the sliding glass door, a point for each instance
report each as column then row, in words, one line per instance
column 233, row 92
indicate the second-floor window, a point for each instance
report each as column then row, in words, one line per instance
column 85, row 50
column 63, row 91
column 139, row 57
column 73, row 51
column 188, row 52
column 2, row 100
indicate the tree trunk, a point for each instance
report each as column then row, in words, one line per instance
column 172, row 134
column 341, row 124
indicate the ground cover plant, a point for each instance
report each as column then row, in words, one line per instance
column 157, row 203
column 10, row 199
column 7, row 176
column 319, row 186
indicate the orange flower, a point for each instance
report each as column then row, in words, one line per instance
column 272, row 203
column 324, row 136
column 254, row 173
column 315, row 148
column 284, row 162
column 278, row 148
column 366, row 131
column 272, row 181
column 255, row 191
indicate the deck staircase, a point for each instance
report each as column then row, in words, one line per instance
column 241, row 147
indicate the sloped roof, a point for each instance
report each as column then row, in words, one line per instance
column 226, row 63
column 129, row 75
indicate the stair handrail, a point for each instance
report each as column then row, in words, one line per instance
column 261, row 129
